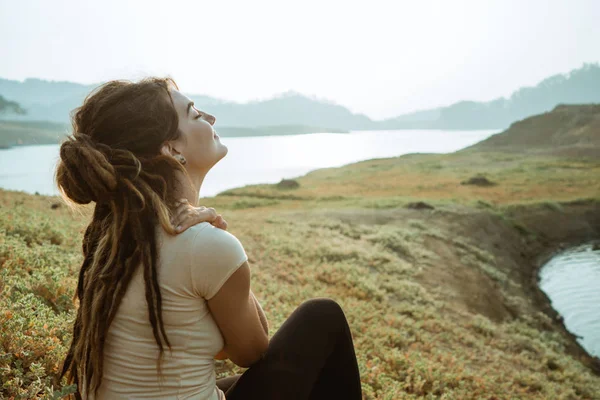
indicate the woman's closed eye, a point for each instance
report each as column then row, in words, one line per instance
column 207, row 117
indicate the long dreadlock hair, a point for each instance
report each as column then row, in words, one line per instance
column 113, row 159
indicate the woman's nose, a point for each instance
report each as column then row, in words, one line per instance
column 211, row 119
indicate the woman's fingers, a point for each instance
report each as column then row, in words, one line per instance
column 180, row 215
column 178, row 219
column 179, row 207
column 186, row 219
column 220, row 222
column 185, row 215
column 224, row 225
column 206, row 214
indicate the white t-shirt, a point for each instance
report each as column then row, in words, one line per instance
column 192, row 267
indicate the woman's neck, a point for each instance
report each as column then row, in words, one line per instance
column 191, row 193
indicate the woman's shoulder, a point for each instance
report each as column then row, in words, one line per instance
column 196, row 229
column 209, row 234
column 221, row 248
column 204, row 236
column 186, row 236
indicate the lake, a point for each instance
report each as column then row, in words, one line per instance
column 571, row 280
column 259, row 159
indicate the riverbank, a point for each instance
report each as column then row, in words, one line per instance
column 571, row 280
column 549, row 229
column 26, row 133
column 435, row 271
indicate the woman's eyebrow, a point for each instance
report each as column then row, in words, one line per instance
column 191, row 103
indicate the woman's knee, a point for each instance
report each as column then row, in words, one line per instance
column 322, row 308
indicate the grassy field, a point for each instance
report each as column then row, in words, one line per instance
column 440, row 301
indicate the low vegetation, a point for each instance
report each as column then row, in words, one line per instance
column 438, row 297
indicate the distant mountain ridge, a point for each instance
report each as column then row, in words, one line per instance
column 52, row 101
column 579, row 86
column 290, row 108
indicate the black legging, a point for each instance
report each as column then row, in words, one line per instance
column 311, row 356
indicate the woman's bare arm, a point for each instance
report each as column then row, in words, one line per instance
column 261, row 314
column 263, row 320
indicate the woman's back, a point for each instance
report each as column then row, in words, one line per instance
column 135, row 149
column 192, row 267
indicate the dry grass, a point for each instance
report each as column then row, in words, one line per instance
column 343, row 234
column 437, row 177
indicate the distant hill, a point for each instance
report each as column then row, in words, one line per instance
column 276, row 130
column 567, row 130
column 52, row 101
column 31, row 132
column 577, row 87
column 290, row 108
column 21, row 133
column 13, row 107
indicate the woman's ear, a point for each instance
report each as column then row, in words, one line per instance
column 167, row 150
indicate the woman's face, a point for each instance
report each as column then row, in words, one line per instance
column 199, row 144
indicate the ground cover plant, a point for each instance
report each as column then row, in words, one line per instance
column 434, row 296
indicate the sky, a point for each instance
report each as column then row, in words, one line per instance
column 379, row 58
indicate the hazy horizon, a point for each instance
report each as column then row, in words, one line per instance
column 382, row 60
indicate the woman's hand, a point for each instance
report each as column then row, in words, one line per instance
column 186, row 215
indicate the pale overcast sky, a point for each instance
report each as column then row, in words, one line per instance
column 381, row 58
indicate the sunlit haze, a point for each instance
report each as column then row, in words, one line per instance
column 381, row 58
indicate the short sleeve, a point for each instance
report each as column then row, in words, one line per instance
column 215, row 256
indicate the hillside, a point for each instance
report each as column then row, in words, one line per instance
column 52, row 101
column 567, row 129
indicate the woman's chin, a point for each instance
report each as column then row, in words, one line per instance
column 224, row 151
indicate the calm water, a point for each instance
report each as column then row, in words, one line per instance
column 261, row 159
column 572, row 282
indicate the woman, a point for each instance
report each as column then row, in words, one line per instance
column 145, row 287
